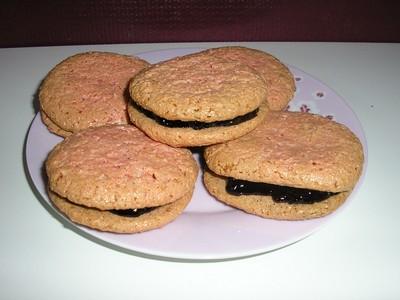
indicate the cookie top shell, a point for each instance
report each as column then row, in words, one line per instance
column 280, row 81
column 119, row 167
column 294, row 149
column 198, row 87
column 89, row 89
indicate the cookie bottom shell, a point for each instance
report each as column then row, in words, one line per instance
column 107, row 221
column 188, row 137
column 265, row 207
column 53, row 127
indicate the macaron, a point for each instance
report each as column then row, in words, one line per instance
column 279, row 80
column 87, row 90
column 115, row 178
column 294, row 166
column 197, row 100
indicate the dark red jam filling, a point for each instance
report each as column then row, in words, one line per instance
column 196, row 125
column 281, row 194
column 131, row 213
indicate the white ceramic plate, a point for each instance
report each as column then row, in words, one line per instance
column 208, row 229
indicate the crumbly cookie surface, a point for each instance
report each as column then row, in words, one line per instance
column 266, row 207
column 119, row 167
column 199, row 87
column 292, row 149
column 107, row 221
column 280, row 81
column 188, row 137
column 89, row 89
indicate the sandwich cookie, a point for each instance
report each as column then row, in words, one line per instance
column 294, row 166
column 87, row 90
column 279, row 80
column 197, row 100
column 115, row 178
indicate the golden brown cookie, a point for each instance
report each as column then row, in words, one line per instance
column 293, row 166
column 197, row 100
column 280, row 81
column 118, row 168
column 87, row 90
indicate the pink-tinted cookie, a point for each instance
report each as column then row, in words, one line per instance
column 118, row 168
column 87, row 90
